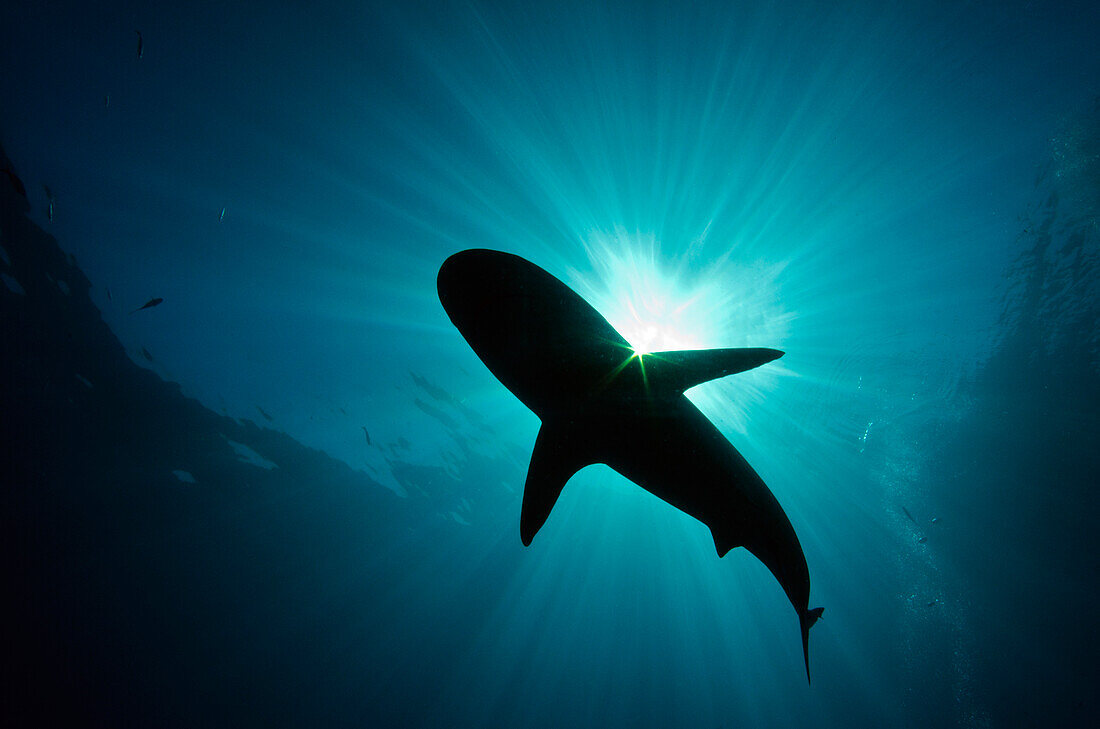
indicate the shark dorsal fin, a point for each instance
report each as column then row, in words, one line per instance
column 680, row 370
column 555, row 459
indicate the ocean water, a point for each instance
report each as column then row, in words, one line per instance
column 289, row 494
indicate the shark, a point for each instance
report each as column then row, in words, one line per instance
column 601, row 402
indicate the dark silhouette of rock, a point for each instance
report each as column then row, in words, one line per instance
column 135, row 597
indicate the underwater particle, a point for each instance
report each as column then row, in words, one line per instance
column 365, row 433
column 222, row 216
column 12, row 284
column 866, row 434
column 184, row 476
column 909, row 515
column 15, row 181
column 49, row 201
column 85, row 380
column 149, row 304
column 141, row 45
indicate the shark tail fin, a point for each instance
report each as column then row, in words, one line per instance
column 808, row 619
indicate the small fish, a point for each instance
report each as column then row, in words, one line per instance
column 149, row 304
column 264, row 413
column 921, row 540
column 935, row 519
column 145, row 352
column 365, row 433
column 933, row 603
column 49, row 198
column 141, row 44
column 909, row 515
column 342, row 411
column 222, row 216
column 109, row 295
column 106, row 101
column 16, row 182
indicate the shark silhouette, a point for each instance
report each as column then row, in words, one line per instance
column 601, row 402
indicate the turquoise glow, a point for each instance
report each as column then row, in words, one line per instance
column 856, row 184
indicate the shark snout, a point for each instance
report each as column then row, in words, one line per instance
column 448, row 280
column 477, row 282
column 468, row 276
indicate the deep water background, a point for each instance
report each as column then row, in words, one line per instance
column 903, row 197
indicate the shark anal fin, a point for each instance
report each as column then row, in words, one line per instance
column 680, row 370
column 555, row 459
column 812, row 616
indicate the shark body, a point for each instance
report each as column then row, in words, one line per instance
column 600, row 402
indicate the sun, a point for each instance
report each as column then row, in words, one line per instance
column 664, row 298
column 655, row 306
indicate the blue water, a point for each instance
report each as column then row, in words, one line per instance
column 904, row 198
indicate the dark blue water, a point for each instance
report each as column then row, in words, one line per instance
column 903, row 198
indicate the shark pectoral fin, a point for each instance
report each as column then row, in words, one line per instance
column 554, row 460
column 683, row 369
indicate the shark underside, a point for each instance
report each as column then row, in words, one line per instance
column 600, row 402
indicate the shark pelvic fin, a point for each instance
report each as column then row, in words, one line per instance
column 680, row 370
column 723, row 543
column 555, row 459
